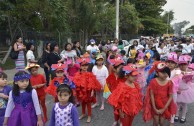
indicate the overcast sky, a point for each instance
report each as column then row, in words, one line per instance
column 183, row 9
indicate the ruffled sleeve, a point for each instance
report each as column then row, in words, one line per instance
column 51, row 89
column 127, row 99
column 92, row 82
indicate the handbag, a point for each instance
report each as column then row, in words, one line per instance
column 106, row 92
column 14, row 54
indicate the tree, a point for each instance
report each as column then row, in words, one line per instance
column 179, row 26
column 190, row 30
column 150, row 15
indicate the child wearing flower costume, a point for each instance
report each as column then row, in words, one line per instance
column 86, row 85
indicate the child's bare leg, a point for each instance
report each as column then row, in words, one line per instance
column 156, row 120
column 161, row 120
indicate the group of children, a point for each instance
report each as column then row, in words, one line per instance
column 159, row 89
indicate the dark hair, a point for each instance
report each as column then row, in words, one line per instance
column 52, row 47
column 131, row 60
column 120, row 42
column 65, row 47
column 156, row 56
column 46, row 45
column 123, row 52
column 16, row 89
column 3, row 75
column 165, row 70
column 112, row 56
column 74, row 45
column 28, row 46
column 17, row 37
column 121, row 73
column 65, row 88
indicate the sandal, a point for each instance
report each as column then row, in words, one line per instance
column 183, row 120
column 176, row 118
column 82, row 116
column 89, row 119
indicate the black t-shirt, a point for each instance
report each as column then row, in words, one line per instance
column 53, row 58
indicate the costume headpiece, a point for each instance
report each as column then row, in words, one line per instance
column 172, row 57
column 116, row 61
column 184, row 59
column 130, row 69
column 59, row 66
column 83, row 61
column 31, row 65
column 21, row 77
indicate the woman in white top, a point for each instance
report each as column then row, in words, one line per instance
column 162, row 50
column 101, row 73
column 30, row 55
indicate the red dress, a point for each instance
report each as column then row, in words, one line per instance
column 51, row 89
column 161, row 96
column 37, row 80
column 126, row 98
column 85, row 83
column 113, row 82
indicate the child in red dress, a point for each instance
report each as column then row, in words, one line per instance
column 38, row 82
column 127, row 96
column 86, row 85
column 113, row 80
column 158, row 101
column 58, row 80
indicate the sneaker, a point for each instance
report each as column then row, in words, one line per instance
column 115, row 124
column 176, row 118
column 183, row 120
column 95, row 105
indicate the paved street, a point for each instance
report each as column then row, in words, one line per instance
column 105, row 118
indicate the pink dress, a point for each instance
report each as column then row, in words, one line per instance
column 141, row 80
column 186, row 89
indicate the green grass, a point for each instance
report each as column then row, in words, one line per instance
column 9, row 64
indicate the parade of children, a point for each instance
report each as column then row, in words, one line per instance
column 127, row 88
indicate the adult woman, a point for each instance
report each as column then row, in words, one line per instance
column 20, row 61
column 68, row 53
column 53, row 57
column 77, row 48
column 44, row 60
column 30, row 55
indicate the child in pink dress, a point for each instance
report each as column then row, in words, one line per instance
column 185, row 92
column 141, row 64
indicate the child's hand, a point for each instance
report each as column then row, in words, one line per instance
column 4, row 96
column 122, row 114
column 161, row 111
column 40, row 123
column 34, row 87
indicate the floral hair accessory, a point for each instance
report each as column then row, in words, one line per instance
column 59, row 67
column 83, row 61
column 116, row 61
column 22, row 77
column 130, row 69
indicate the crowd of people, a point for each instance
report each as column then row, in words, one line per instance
column 155, row 77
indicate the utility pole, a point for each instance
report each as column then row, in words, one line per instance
column 117, row 19
column 168, row 22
